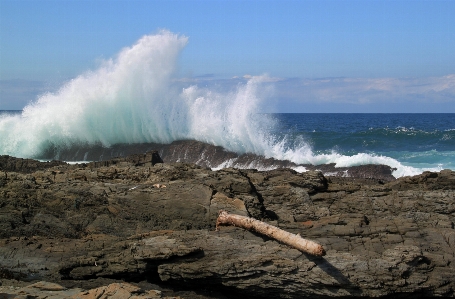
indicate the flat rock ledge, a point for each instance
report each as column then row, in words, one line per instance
column 134, row 229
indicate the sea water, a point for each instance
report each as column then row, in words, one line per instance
column 135, row 98
column 412, row 143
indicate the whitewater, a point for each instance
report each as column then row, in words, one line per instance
column 135, row 98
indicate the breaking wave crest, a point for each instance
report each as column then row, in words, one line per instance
column 133, row 99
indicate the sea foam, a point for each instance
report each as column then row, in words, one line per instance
column 133, row 99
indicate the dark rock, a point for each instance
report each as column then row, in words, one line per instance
column 8, row 163
column 45, row 289
column 443, row 180
column 147, row 159
column 207, row 155
column 129, row 220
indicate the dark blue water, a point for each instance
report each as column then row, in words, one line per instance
column 354, row 133
column 419, row 141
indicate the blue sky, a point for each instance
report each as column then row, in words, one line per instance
column 326, row 56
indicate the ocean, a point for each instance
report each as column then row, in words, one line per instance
column 135, row 99
column 411, row 143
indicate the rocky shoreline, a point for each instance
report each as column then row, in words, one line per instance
column 205, row 155
column 135, row 227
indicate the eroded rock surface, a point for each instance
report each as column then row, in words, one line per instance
column 47, row 290
column 132, row 221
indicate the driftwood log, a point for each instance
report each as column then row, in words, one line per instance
column 296, row 241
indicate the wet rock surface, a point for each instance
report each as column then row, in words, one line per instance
column 130, row 225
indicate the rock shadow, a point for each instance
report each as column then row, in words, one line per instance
column 331, row 270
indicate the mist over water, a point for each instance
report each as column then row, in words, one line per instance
column 135, row 98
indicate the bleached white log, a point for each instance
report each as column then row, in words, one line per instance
column 293, row 240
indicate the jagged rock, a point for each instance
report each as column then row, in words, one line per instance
column 74, row 224
column 205, row 155
column 8, row 163
column 39, row 290
column 42, row 290
column 443, row 180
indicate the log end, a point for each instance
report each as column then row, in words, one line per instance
column 319, row 251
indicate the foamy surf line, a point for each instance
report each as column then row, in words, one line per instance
column 364, row 159
column 218, row 158
column 340, row 161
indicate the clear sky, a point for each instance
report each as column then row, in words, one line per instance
column 326, row 56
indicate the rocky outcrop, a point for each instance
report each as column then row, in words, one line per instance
column 43, row 289
column 8, row 163
column 134, row 222
column 206, row 155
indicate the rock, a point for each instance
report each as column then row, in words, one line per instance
column 40, row 289
column 379, row 173
column 205, row 155
column 81, row 226
column 118, row 290
column 8, row 163
column 150, row 158
column 443, row 180
column 48, row 290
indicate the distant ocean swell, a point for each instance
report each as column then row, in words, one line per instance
column 133, row 99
